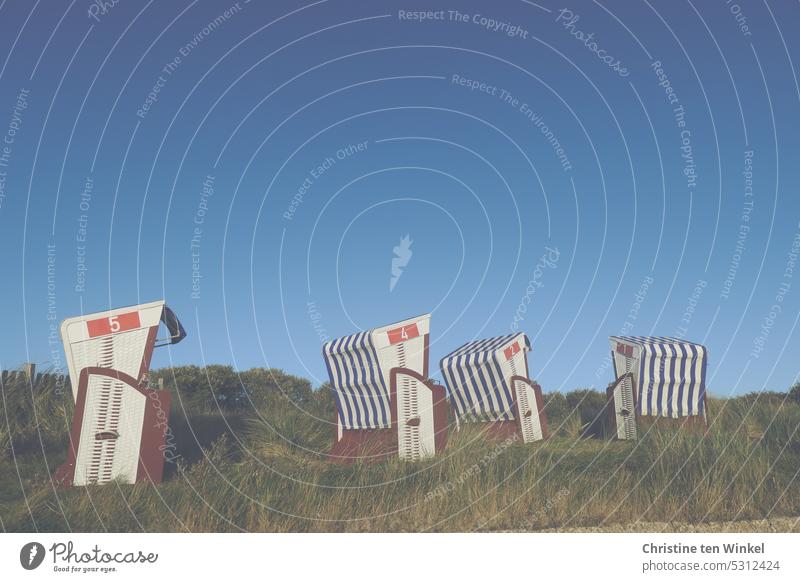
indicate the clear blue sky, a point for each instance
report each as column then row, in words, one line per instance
column 488, row 136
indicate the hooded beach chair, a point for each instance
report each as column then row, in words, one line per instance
column 119, row 424
column 656, row 377
column 487, row 381
column 385, row 404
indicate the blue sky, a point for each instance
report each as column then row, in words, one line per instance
column 281, row 152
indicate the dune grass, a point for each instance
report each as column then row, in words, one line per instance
column 262, row 466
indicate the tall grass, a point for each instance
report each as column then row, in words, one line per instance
column 34, row 412
column 263, row 467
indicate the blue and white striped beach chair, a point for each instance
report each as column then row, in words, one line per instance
column 487, row 381
column 656, row 377
column 385, row 405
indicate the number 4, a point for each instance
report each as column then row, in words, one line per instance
column 113, row 323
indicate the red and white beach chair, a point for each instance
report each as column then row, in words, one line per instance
column 119, row 424
column 487, row 381
column 385, row 404
column 656, row 377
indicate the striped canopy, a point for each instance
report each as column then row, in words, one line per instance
column 360, row 391
column 671, row 375
column 477, row 377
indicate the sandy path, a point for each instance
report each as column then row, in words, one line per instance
column 778, row 524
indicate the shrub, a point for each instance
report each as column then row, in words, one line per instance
column 590, row 407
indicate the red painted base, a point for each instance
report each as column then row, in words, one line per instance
column 502, row 430
column 368, row 446
column 686, row 422
column 694, row 422
column 373, row 445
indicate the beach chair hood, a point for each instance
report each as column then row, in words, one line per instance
column 669, row 374
column 477, row 376
column 382, row 393
column 359, row 366
column 119, row 339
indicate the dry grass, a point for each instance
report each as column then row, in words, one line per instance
column 271, row 474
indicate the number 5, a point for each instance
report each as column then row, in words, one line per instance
column 113, row 323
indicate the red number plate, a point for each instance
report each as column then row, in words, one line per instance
column 403, row 333
column 625, row 350
column 511, row 350
column 113, row 324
